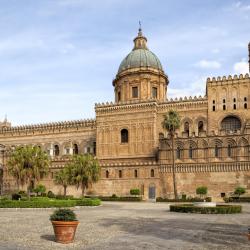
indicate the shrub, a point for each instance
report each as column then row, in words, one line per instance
column 201, row 191
column 88, row 202
column 135, row 191
column 62, row 197
column 39, row 189
column 16, row 197
column 111, row 198
column 63, row 215
column 22, row 193
column 114, row 196
column 183, row 196
column 219, row 209
column 189, row 199
column 236, row 199
column 51, row 194
column 239, row 191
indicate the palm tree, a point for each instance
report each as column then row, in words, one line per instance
column 170, row 123
column 28, row 164
column 64, row 178
column 85, row 171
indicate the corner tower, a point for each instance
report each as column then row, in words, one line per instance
column 140, row 75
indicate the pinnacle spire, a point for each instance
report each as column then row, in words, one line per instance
column 140, row 41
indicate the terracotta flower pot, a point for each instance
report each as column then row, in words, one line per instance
column 65, row 231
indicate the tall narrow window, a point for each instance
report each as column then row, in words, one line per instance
column 120, row 173
column 186, row 128
column 224, row 107
column 178, row 153
column 200, row 126
column 213, row 108
column 224, row 100
column 75, row 149
column 190, row 152
column 135, row 92
column 152, row 173
column 56, row 150
column 245, row 105
column 124, row 136
column 234, row 106
column 216, row 151
column 245, row 99
column 234, row 99
column 154, row 92
column 107, row 174
column 136, row 173
column 119, row 96
column 94, row 148
column 229, row 150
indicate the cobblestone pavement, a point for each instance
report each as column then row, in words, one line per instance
column 118, row 225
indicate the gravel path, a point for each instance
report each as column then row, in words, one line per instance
column 122, row 225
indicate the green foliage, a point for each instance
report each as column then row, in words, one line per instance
column 62, row 197
column 114, row 196
column 201, row 190
column 51, row 194
column 63, row 215
column 219, row 209
column 64, row 178
column 135, row 191
column 88, row 202
column 40, row 189
column 236, row 199
column 16, row 197
column 27, row 164
column 111, row 198
column 171, row 121
column 85, row 170
column 185, row 199
column 44, row 202
column 239, row 191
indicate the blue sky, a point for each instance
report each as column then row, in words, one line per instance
column 58, row 57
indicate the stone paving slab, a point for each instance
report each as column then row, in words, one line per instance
column 124, row 225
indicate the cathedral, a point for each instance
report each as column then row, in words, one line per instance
column 211, row 145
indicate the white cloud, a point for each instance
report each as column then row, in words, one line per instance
column 241, row 67
column 206, row 64
column 195, row 88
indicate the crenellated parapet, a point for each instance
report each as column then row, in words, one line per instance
column 225, row 80
column 50, row 126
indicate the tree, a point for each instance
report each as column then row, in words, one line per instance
column 85, row 171
column 28, row 164
column 239, row 191
column 201, row 191
column 40, row 189
column 64, row 178
column 171, row 123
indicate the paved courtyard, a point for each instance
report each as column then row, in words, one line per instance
column 116, row 225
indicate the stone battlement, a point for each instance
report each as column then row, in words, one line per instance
column 227, row 79
column 51, row 125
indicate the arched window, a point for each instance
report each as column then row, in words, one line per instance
column 229, row 150
column 245, row 105
column 107, row 174
column 120, row 173
column 124, row 136
column 190, row 152
column 216, row 151
column 231, row 124
column 234, row 106
column 152, row 173
column 178, row 153
column 56, row 150
column 186, row 128
column 75, row 149
column 136, row 173
column 224, row 107
column 200, row 126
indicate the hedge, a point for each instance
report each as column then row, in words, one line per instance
column 236, row 199
column 195, row 199
column 42, row 203
column 113, row 198
column 219, row 209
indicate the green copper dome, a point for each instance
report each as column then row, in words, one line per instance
column 140, row 56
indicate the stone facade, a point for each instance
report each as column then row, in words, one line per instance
column 211, row 146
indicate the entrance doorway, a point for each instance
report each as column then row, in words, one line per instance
column 151, row 192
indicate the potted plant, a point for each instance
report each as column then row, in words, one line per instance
column 248, row 233
column 64, row 223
